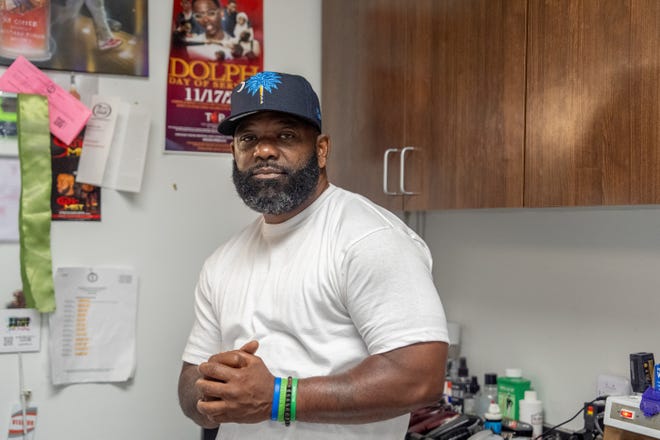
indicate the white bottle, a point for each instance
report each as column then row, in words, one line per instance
column 531, row 411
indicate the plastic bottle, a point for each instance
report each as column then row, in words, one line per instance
column 470, row 398
column 451, row 374
column 510, row 390
column 531, row 411
column 488, row 394
column 493, row 418
column 460, row 386
column 446, row 393
column 452, row 369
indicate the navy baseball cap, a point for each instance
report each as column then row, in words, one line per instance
column 272, row 91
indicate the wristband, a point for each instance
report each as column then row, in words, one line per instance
column 276, row 399
column 280, row 412
column 294, row 392
column 287, row 402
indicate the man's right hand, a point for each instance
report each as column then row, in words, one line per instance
column 236, row 386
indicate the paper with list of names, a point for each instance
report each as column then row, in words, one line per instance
column 92, row 332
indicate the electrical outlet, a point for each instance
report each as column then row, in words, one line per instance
column 610, row 385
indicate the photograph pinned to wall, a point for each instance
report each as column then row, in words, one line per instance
column 94, row 36
column 214, row 46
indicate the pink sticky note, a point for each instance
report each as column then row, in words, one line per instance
column 67, row 114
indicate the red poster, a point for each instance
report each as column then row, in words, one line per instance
column 214, row 47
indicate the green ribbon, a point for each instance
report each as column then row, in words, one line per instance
column 35, row 211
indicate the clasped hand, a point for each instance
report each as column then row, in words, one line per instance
column 236, row 386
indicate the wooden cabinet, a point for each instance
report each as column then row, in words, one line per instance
column 593, row 103
column 443, row 77
column 508, row 103
column 361, row 92
column 478, row 104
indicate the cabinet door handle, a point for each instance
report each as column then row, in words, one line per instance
column 402, row 174
column 385, row 174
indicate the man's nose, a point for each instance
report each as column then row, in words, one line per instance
column 266, row 149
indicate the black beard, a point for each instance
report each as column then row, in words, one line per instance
column 277, row 196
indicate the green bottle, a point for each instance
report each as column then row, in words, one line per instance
column 510, row 390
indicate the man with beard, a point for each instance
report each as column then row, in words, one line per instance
column 319, row 320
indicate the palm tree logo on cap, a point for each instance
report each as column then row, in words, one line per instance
column 263, row 81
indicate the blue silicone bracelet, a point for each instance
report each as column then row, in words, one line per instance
column 276, row 399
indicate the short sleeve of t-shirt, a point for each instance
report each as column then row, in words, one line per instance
column 390, row 292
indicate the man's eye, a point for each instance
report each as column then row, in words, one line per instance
column 287, row 135
column 246, row 138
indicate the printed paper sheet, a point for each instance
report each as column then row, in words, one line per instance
column 92, row 332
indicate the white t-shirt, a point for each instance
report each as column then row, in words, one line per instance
column 340, row 281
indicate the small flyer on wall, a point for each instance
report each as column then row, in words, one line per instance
column 20, row 330
column 214, row 47
column 70, row 199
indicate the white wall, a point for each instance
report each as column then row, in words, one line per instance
column 164, row 234
column 564, row 294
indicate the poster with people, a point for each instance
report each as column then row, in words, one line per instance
column 94, row 36
column 215, row 45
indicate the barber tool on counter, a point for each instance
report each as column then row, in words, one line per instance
column 636, row 415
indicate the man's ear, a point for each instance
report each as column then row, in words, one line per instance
column 322, row 149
